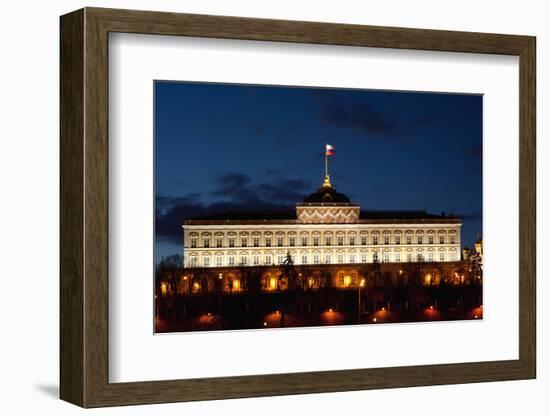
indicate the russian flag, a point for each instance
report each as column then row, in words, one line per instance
column 329, row 151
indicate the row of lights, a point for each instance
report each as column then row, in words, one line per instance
column 383, row 309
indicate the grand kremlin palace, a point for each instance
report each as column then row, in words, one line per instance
column 325, row 230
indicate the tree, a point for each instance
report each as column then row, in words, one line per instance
column 173, row 262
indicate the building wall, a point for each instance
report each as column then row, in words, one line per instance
column 255, row 245
column 341, row 276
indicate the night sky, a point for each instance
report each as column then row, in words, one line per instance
column 234, row 146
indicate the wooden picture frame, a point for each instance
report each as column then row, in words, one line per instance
column 84, row 207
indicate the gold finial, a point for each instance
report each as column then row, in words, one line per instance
column 326, row 182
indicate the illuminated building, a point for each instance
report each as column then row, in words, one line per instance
column 326, row 228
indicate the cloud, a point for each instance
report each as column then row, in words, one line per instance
column 256, row 127
column 234, row 191
column 379, row 189
column 237, row 187
column 360, row 116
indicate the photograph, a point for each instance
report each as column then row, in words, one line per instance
column 297, row 206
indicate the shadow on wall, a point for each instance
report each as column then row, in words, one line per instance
column 51, row 390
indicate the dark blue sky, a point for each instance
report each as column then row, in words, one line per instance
column 231, row 146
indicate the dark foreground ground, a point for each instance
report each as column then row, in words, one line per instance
column 376, row 306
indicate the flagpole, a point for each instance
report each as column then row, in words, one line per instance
column 326, row 164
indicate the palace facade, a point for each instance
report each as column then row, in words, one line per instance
column 326, row 228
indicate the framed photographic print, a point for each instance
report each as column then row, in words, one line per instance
column 262, row 207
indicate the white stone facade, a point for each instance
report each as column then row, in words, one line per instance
column 235, row 243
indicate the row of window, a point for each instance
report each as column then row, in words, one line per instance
column 420, row 239
column 269, row 259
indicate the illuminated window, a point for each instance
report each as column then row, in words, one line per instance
column 430, row 239
column 304, row 241
column 206, row 261
column 428, row 281
column 397, row 239
column 345, row 281
column 353, row 279
column 231, row 241
column 231, row 260
column 193, row 243
column 386, row 239
column 304, row 258
column 256, row 241
column 244, row 241
column 219, row 242
column 219, row 261
column 351, row 240
column 206, row 242
column 236, row 284
column 268, row 241
column 340, row 257
column 340, row 240
column 292, row 241
column 272, row 283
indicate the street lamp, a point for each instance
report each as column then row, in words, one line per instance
column 361, row 284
